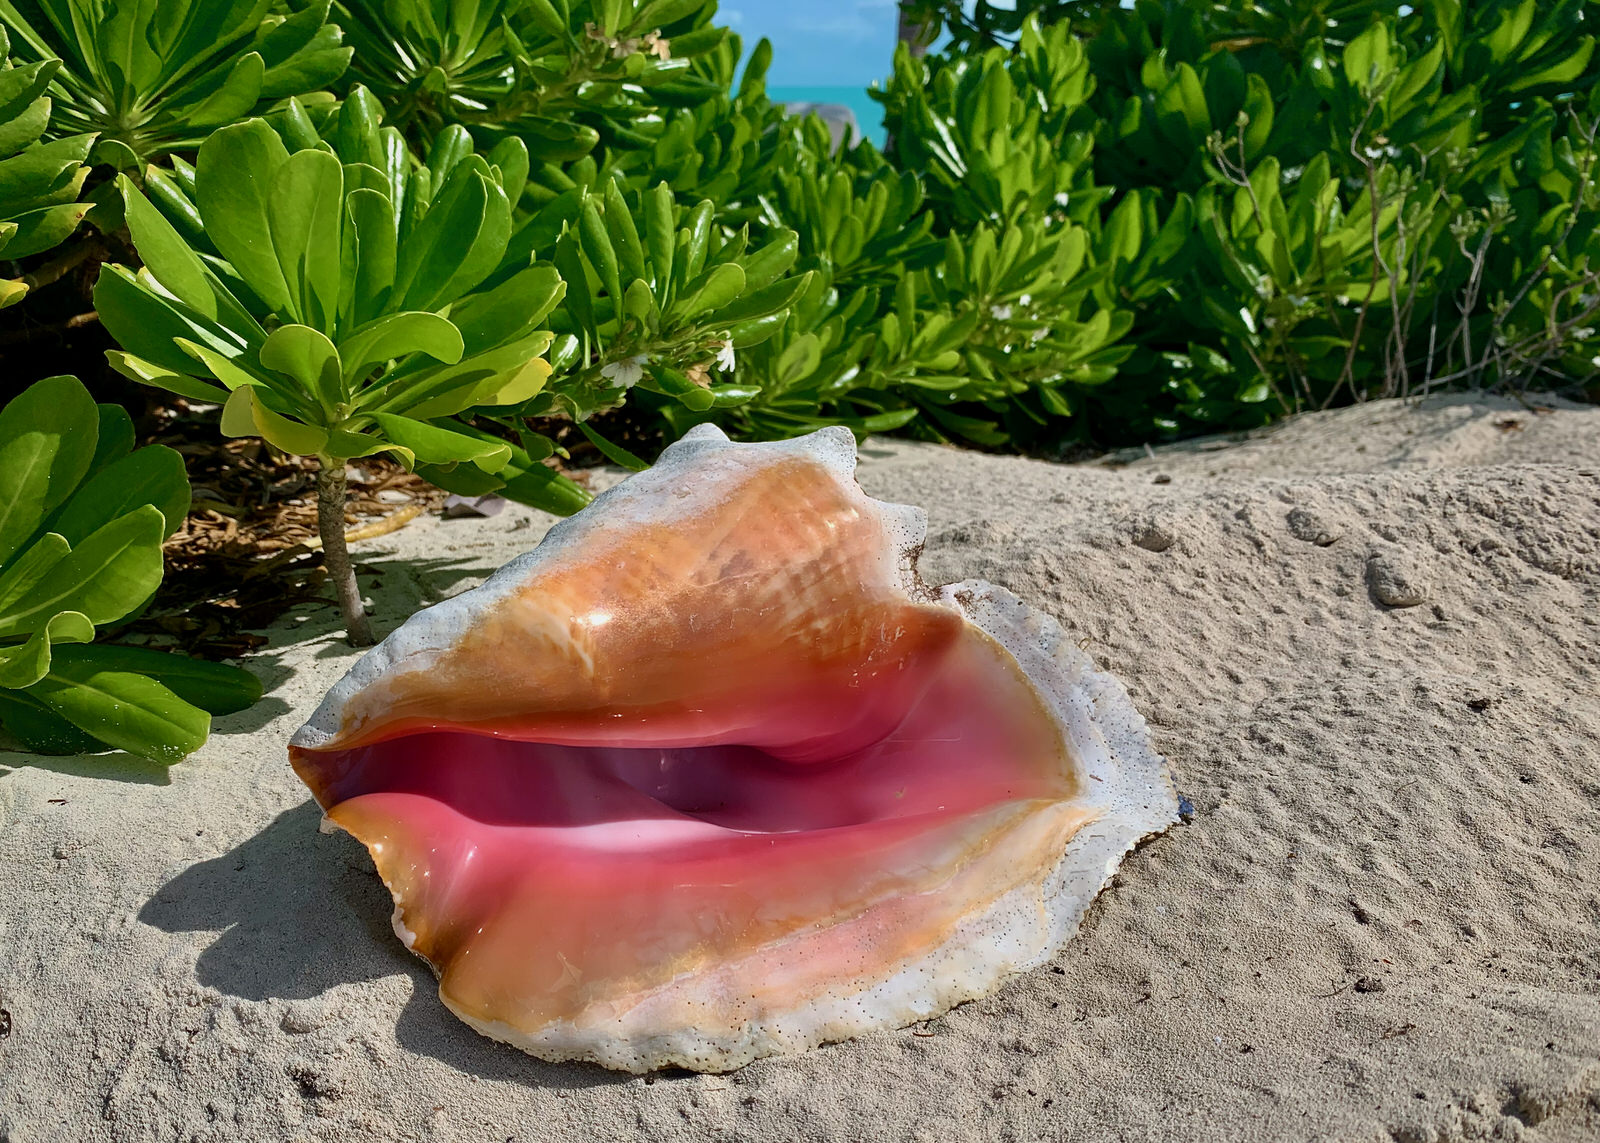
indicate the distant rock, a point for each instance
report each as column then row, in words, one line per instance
column 841, row 121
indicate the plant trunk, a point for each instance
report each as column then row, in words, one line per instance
column 335, row 556
column 911, row 32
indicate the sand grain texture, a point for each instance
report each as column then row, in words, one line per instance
column 1369, row 641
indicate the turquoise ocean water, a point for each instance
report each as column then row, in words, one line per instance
column 868, row 113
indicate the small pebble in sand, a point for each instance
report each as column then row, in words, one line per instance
column 1151, row 536
column 1369, row 984
column 1396, row 580
column 1313, row 527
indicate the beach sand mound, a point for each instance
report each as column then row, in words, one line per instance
column 1369, row 641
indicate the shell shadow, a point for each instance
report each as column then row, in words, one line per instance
column 298, row 912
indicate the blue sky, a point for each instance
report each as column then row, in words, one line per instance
column 824, row 42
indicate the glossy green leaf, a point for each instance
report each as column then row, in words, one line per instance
column 26, row 663
column 123, row 709
column 234, row 177
column 216, row 688
column 304, row 219
column 30, row 567
column 47, row 442
column 40, row 729
column 396, row 336
column 152, row 475
column 1369, row 58
column 245, row 415
column 612, row 451
column 113, row 571
column 431, row 444
column 709, row 293
column 149, row 373
column 308, row 356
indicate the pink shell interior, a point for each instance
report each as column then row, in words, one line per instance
column 709, row 775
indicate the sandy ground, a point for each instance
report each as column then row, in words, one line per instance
column 1382, row 923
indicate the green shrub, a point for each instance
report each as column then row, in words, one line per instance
column 82, row 518
column 337, row 295
column 39, row 182
column 1346, row 163
column 562, row 77
column 156, row 76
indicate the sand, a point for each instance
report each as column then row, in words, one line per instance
column 1369, row 641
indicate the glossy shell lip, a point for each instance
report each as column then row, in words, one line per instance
column 711, row 775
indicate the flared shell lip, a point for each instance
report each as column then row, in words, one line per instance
column 1126, row 785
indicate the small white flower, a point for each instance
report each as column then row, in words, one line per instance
column 1062, row 199
column 657, row 44
column 625, row 374
column 725, row 357
column 1025, row 301
column 1000, row 312
column 1039, row 335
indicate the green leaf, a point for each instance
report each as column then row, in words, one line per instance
column 710, row 292
column 234, row 176
column 1562, row 71
column 236, row 97
column 213, row 687
column 696, row 398
column 22, row 573
column 544, row 488
column 615, row 453
column 597, row 248
column 226, row 368
column 447, row 389
column 42, row 171
column 116, row 436
column 624, row 235
column 149, row 326
column 396, row 336
column 660, row 235
column 772, row 261
column 44, row 229
column 153, row 475
column 1181, row 109
column 149, row 373
column 304, row 214
column 509, row 311
column 799, row 360
column 431, row 444
column 40, row 729
column 310, row 358
column 47, row 441
column 26, row 664
column 1368, row 59
column 173, row 263
column 373, row 219
column 246, row 416
column 114, row 570
column 515, row 386
column 123, row 709
column 459, row 241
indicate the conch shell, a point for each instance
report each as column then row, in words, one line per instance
column 710, row 775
